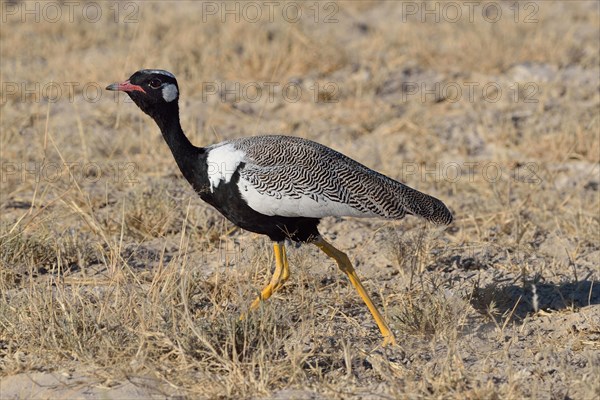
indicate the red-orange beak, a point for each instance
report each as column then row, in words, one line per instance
column 125, row 87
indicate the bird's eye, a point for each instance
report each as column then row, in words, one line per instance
column 155, row 83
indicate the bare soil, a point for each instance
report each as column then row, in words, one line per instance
column 117, row 281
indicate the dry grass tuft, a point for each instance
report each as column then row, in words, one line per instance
column 119, row 282
column 428, row 313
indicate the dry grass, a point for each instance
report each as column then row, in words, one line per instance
column 114, row 270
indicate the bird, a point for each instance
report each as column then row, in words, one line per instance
column 280, row 186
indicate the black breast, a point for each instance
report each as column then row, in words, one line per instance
column 226, row 198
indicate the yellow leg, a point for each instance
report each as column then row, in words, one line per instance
column 346, row 266
column 279, row 277
column 285, row 271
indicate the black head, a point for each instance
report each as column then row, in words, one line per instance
column 155, row 91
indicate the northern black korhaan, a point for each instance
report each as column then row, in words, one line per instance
column 280, row 186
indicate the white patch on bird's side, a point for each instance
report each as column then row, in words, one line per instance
column 304, row 206
column 169, row 92
column 222, row 161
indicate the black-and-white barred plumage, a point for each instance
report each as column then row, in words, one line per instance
column 295, row 177
column 279, row 186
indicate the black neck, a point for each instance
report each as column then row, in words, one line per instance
column 184, row 152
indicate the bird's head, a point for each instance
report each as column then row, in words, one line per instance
column 155, row 91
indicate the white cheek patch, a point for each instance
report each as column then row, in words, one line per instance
column 170, row 92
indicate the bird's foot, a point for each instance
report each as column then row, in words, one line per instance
column 389, row 340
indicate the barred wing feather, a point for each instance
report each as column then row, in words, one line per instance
column 294, row 177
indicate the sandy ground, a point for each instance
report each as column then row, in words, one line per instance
column 119, row 288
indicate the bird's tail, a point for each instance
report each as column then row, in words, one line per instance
column 426, row 206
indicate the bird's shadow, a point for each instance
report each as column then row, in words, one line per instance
column 519, row 301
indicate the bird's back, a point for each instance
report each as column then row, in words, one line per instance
column 291, row 176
